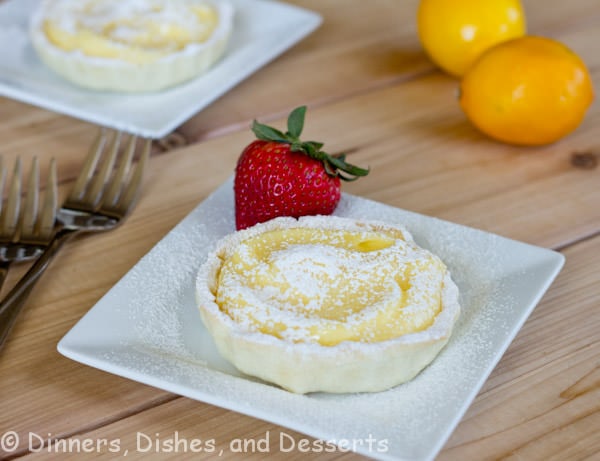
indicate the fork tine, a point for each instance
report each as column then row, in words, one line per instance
column 10, row 217
column 88, row 167
column 29, row 213
column 117, row 182
column 2, row 181
column 131, row 191
column 95, row 190
column 45, row 224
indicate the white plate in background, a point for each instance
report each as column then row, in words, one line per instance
column 263, row 29
column 147, row 328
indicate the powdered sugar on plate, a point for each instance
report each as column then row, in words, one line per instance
column 148, row 328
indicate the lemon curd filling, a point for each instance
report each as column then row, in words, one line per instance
column 130, row 45
column 324, row 303
column 327, row 286
column 134, row 31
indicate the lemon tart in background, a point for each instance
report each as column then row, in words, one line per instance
column 324, row 303
column 130, row 45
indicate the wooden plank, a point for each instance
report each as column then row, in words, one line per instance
column 425, row 157
column 83, row 272
column 409, row 123
column 543, row 399
column 541, row 402
column 81, row 275
column 414, row 166
column 41, row 390
column 360, row 47
column 357, row 48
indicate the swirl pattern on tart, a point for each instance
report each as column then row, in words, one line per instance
column 329, row 304
column 130, row 45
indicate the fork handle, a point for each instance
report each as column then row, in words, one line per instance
column 4, row 266
column 11, row 305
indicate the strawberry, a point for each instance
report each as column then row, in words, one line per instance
column 280, row 175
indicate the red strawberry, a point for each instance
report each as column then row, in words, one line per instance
column 279, row 175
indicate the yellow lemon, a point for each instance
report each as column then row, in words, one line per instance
column 455, row 32
column 527, row 91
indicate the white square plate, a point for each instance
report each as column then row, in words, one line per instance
column 263, row 29
column 147, row 328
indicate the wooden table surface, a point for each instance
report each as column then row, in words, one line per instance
column 371, row 91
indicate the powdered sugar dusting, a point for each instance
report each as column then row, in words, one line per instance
column 139, row 23
column 164, row 342
column 173, row 265
column 325, row 280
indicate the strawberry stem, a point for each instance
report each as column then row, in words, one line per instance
column 334, row 165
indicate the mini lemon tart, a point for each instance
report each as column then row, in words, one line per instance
column 327, row 304
column 130, row 45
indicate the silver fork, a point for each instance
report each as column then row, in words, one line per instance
column 102, row 197
column 25, row 231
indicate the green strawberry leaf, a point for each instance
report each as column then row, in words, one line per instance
column 295, row 122
column 329, row 170
column 313, row 145
column 296, row 146
column 267, row 133
column 353, row 170
column 333, row 165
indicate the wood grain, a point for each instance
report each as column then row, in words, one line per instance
column 374, row 94
column 357, row 49
column 543, row 399
column 541, row 402
column 83, row 274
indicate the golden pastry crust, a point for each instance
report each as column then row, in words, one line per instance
column 300, row 362
column 141, row 66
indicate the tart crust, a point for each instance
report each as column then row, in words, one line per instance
column 302, row 367
column 119, row 75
